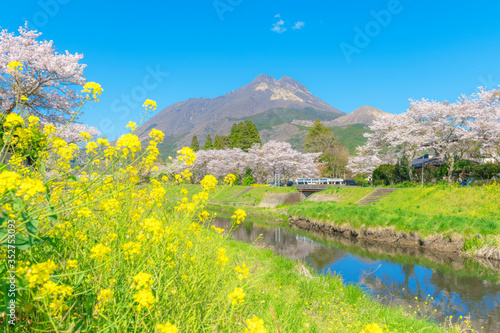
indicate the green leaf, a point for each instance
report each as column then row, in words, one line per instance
column 71, row 177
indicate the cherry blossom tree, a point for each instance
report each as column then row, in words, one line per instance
column 453, row 130
column 71, row 132
column 46, row 79
column 265, row 162
column 279, row 158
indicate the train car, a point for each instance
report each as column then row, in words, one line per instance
column 318, row 181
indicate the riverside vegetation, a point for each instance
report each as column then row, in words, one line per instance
column 469, row 213
column 100, row 246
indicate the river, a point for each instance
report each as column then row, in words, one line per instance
column 435, row 285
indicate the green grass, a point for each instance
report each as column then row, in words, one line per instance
column 432, row 210
column 317, row 304
column 347, row 195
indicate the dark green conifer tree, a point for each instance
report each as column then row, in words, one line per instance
column 208, row 143
column 195, row 146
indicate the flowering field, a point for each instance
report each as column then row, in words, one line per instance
column 99, row 245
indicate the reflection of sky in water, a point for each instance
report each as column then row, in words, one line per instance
column 402, row 283
column 395, row 283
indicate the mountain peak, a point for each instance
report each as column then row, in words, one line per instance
column 265, row 78
column 288, row 81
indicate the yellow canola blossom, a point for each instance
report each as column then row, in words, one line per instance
column 221, row 257
column 132, row 125
column 142, row 281
column 93, row 89
column 149, row 105
column 13, row 119
column 57, row 293
column 100, row 252
column 255, row 325
column 239, row 216
column 372, row 328
column 237, row 296
column 229, row 179
column 187, row 155
column 243, row 271
column 15, row 66
column 167, row 328
column 40, row 273
column 25, row 188
column 129, row 143
column 145, row 299
column 208, row 183
column 157, row 135
column 105, row 296
column 86, row 136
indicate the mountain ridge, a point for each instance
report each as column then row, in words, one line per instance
column 266, row 101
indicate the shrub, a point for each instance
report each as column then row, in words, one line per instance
column 384, row 174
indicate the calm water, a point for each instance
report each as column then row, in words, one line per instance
column 452, row 285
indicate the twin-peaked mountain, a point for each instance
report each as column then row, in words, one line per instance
column 280, row 109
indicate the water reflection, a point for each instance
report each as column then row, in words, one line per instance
column 452, row 288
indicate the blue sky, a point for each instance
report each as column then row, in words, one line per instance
column 418, row 48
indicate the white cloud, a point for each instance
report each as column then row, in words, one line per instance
column 298, row 25
column 278, row 27
column 277, row 15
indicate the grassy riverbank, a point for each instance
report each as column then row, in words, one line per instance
column 442, row 210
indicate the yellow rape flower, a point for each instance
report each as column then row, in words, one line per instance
column 40, row 273
column 221, row 256
column 33, row 120
column 104, row 297
column 149, row 104
column 93, row 89
column 186, row 154
column 103, row 142
column 99, row 252
column 145, row 299
column 229, row 179
column 91, row 146
column 129, row 142
column 372, row 328
column 237, row 296
column 255, row 325
column 167, row 328
column 186, row 174
column 239, row 216
column 71, row 264
column 131, row 250
column 243, row 270
column 13, row 119
column 208, row 183
column 157, row 135
column 15, row 66
column 58, row 294
column 85, row 136
column 131, row 125
column 142, row 281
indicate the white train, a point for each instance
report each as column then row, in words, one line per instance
column 318, row 181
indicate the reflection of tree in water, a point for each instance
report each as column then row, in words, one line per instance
column 281, row 241
column 323, row 256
